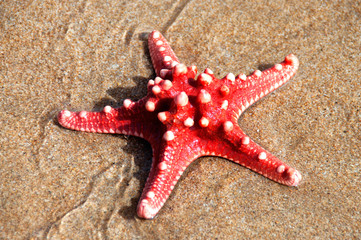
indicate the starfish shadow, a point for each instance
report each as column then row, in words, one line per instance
column 265, row 66
column 137, row 147
column 118, row 94
column 141, row 152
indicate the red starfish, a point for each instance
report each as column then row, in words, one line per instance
column 187, row 117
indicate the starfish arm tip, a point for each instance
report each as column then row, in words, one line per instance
column 162, row 55
column 293, row 60
column 145, row 210
column 63, row 118
column 294, row 177
column 101, row 122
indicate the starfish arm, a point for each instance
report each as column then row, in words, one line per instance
column 129, row 120
column 169, row 162
column 242, row 150
column 254, row 87
column 163, row 57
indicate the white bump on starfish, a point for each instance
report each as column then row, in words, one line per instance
column 245, row 140
column 150, row 194
column 166, row 84
column 188, row 122
column 293, row 60
column 280, row 168
column 193, row 69
column 262, row 156
column 295, row 177
column 224, row 90
column 180, row 69
column 230, row 77
column 156, row 34
column 242, row 76
column 150, row 83
column 278, row 67
column 204, row 79
column 161, row 49
column 224, row 104
column 251, row 101
column 258, row 73
column 162, row 166
column 107, row 109
column 276, row 85
column 181, row 99
column 208, row 71
column 158, row 80
column 159, row 43
column 162, row 116
column 228, row 126
column 150, row 106
column 83, row 114
column 204, row 122
column 174, row 63
column 168, row 136
column 156, row 90
column 204, row 96
column 127, row 103
column 164, row 72
column 167, row 59
column 66, row 113
column 272, row 88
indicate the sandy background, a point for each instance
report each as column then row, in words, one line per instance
column 82, row 55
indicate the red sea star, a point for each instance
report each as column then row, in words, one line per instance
column 187, row 117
